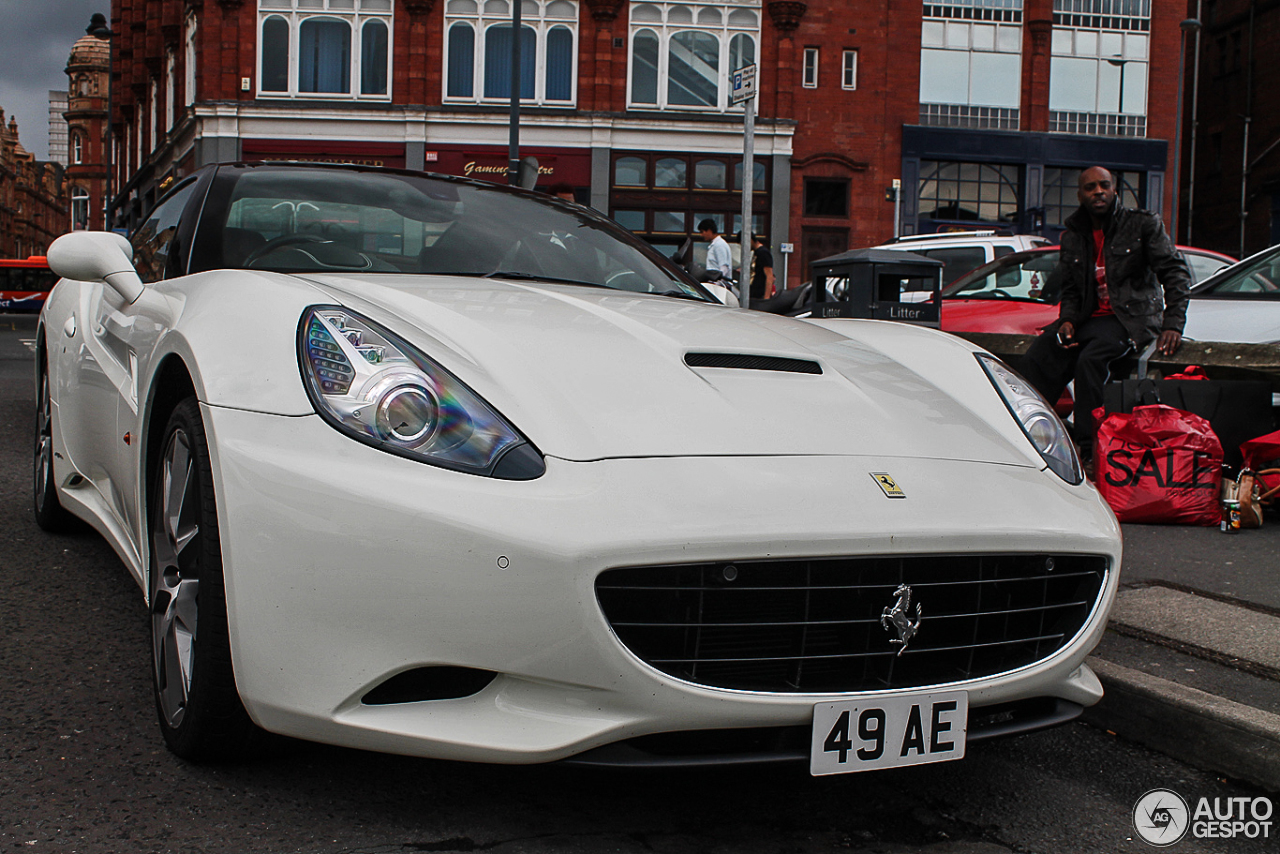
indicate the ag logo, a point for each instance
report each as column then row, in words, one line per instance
column 1161, row 817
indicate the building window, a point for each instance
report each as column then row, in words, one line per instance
column 79, row 209
column 478, row 43
column 971, row 63
column 849, row 77
column 77, row 148
column 810, row 80
column 324, row 48
column 969, row 192
column 1098, row 69
column 189, row 89
column 663, row 196
column 826, row 197
column 1098, row 78
column 170, row 65
column 683, row 53
column 1060, row 200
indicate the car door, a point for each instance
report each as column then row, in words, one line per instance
column 130, row 334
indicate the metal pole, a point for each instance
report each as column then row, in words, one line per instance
column 1248, row 119
column 513, row 145
column 897, row 207
column 748, row 188
column 1191, row 153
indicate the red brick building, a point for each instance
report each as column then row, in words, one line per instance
column 32, row 208
column 86, row 114
column 985, row 109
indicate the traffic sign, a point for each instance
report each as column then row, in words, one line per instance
column 743, row 85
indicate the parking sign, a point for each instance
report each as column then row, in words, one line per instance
column 744, row 85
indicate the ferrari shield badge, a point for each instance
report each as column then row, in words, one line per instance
column 888, row 484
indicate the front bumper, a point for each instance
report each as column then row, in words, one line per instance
column 346, row 566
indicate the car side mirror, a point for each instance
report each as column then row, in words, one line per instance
column 97, row 256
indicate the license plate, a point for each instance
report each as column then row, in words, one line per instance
column 888, row 732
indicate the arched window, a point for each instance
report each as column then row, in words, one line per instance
column 682, row 53
column 324, row 56
column 497, row 61
column 326, row 48
column 742, row 52
column 79, row 208
column 274, row 76
column 373, row 58
column 462, row 58
column 693, row 69
column 644, row 67
column 559, row 64
column 548, row 50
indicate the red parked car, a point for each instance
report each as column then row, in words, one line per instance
column 1016, row 294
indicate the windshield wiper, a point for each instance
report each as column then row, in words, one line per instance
column 537, row 277
column 681, row 295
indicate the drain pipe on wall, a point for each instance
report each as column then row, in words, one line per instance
column 1195, row 109
column 1248, row 119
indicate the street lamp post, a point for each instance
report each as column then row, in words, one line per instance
column 1190, row 25
column 98, row 29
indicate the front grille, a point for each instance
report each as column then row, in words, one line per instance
column 814, row 626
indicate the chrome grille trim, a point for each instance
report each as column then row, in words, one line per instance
column 813, row 626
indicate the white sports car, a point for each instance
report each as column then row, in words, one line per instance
column 431, row 466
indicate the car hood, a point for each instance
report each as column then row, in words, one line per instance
column 588, row 373
column 1234, row 319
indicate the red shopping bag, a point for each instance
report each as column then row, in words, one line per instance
column 1160, row 464
column 1263, row 456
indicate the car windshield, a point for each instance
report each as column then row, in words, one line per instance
column 309, row 220
column 1256, row 276
column 1022, row 275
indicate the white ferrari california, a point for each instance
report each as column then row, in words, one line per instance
column 431, row 466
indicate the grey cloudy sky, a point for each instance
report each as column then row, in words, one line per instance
column 35, row 41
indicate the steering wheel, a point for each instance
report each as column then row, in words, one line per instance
column 996, row 292
column 281, row 241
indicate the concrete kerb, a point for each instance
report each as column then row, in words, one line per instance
column 1190, row 725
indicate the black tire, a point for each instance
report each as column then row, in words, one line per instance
column 50, row 514
column 199, row 708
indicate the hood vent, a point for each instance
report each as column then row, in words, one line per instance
column 748, row 362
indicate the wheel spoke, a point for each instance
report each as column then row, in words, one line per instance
column 176, row 584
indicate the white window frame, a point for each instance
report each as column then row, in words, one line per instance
column 77, row 147
column 295, row 15
column 974, row 39
column 79, row 199
column 189, row 72
column 1080, row 44
column 809, row 68
column 849, row 70
column 666, row 29
column 153, row 134
column 170, row 66
column 533, row 14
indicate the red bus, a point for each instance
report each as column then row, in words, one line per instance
column 24, row 284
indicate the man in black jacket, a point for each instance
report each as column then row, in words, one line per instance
column 1114, row 264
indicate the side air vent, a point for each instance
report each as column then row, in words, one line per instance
column 748, row 362
column 429, row 683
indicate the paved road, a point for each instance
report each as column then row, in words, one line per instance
column 82, row 767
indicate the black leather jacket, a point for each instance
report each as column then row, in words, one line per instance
column 1141, row 262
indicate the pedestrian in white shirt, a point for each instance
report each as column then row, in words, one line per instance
column 719, row 258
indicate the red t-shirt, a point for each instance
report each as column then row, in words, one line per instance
column 1100, row 273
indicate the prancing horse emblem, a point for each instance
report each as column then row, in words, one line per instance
column 900, row 616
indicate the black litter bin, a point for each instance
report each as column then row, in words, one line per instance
column 879, row 284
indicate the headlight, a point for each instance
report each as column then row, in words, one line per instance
column 1036, row 417
column 379, row 389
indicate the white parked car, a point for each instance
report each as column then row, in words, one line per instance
column 962, row 251
column 1239, row 303
column 431, row 466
